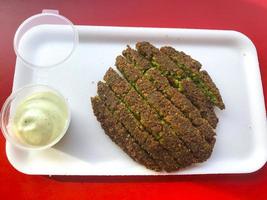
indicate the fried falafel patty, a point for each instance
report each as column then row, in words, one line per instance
column 159, row 107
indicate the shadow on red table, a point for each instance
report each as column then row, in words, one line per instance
column 257, row 176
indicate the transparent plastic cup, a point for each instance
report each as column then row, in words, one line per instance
column 9, row 109
column 42, row 33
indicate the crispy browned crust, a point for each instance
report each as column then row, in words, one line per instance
column 183, row 128
column 181, row 57
column 119, row 135
column 146, row 122
column 161, row 83
column 212, row 87
column 199, row 100
column 146, row 49
column 181, row 125
column 134, row 57
column 136, row 130
column 157, row 110
column 164, row 63
column 149, row 118
column 182, row 103
column 205, row 106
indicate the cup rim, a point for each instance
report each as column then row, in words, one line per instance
column 20, row 145
column 28, row 20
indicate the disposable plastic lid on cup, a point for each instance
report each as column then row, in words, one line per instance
column 45, row 40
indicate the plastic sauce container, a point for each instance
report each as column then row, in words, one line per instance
column 35, row 117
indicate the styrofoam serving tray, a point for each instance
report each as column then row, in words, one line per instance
column 230, row 58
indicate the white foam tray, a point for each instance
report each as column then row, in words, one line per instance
column 230, row 58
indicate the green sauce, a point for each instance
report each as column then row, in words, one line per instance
column 40, row 118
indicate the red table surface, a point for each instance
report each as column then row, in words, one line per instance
column 246, row 16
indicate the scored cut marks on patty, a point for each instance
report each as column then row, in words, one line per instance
column 115, row 130
column 161, row 83
column 157, row 110
column 150, row 120
column 176, row 78
column 145, row 139
column 169, row 113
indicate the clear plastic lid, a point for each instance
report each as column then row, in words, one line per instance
column 45, row 40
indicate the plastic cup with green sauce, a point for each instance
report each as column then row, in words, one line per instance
column 35, row 117
column 38, row 116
